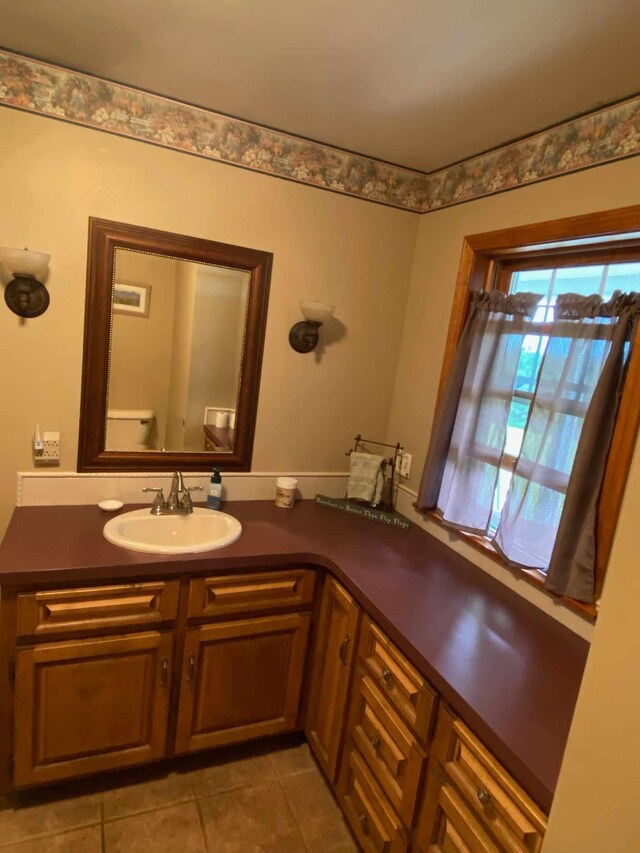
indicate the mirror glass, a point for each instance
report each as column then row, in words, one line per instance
column 173, row 343
column 177, row 341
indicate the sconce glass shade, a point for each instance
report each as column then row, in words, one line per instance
column 303, row 336
column 24, row 262
column 316, row 312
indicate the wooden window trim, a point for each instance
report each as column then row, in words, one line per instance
column 487, row 261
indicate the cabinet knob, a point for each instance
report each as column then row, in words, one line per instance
column 375, row 743
column 386, row 675
column 364, row 824
column 164, row 671
column 342, row 651
column 484, row 796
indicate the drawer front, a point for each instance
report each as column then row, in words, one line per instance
column 498, row 801
column 447, row 825
column 375, row 825
column 225, row 594
column 82, row 609
column 412, row 696
column 393, row 753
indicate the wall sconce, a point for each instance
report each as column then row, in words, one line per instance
column 23, row 273
column 303, row 336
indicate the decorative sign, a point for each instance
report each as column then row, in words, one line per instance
column 394, row 519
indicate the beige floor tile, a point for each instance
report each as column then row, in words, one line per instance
column 293, row 759
column 77, row 841
column 147, row 794
column 237, row 768
column 31, row 815
column 318, row 816
column 250, row 820
column 172, row 830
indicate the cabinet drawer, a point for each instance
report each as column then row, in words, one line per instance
column 446, row 824
column 412, row 696
column 88, row 608
column 376, row 826
column 391, row 750
column 517, row 824
column 224, row 594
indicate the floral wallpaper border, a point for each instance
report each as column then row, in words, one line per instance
column 611, row 133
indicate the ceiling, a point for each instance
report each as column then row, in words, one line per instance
column 421, row 83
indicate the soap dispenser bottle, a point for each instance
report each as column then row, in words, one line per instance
column 214, row 494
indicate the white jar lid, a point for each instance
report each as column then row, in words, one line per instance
column 286, row 482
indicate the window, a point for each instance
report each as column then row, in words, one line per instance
column 600, row 279
column 593, row 254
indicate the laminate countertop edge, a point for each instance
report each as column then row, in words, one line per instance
column 511, row 672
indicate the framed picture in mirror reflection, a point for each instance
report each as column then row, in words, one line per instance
column 131, row 299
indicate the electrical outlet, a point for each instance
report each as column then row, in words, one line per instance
column 405, row 465
column 50, row 454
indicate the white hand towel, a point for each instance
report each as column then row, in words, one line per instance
column 365, row 477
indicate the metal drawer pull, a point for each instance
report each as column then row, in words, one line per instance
column 375, row 743
column 484, row 796
column 164, row 671
column 386, row 675
column 342, row 651
column 191, row 668
column 362, row 820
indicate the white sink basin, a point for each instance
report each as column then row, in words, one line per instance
column 201, row 530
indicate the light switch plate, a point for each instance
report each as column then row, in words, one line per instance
column 405, row 465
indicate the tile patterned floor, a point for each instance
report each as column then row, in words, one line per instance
column 265, row 798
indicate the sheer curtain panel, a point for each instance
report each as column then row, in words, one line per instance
column 548, row 518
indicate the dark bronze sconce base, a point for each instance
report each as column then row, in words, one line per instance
column 303, row 336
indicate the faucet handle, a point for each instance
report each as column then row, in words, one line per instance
column 159, row 502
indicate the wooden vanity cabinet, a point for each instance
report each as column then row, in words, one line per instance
column 240, row 680
column 88, row 705
column 96, row 685
column 334, row 654
column 472, row 798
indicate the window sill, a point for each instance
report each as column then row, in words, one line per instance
column 532, row 576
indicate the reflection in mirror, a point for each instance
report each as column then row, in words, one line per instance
column 173, row 343
column 177, row 339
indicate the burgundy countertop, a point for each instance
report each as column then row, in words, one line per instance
column 510, row 671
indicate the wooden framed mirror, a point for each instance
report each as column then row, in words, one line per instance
column 173, row 341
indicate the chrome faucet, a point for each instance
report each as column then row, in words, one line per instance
column 179, row 500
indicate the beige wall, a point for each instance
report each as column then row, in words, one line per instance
column 326, row 247
column 180, row 354
column 141, row 346
column 596, row 808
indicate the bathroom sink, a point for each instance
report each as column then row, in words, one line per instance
column 201, row 530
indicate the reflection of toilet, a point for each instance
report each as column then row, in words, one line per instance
column 128, row 429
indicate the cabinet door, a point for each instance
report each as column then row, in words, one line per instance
column 241, row 680
column 332, row 667
column 90, row 705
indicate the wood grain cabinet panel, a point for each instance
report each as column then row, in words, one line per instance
column 392, row 752
column 411, row 695
column 331, row 674
column 67, row 610
column 224, row 595
column 446, row 824
column 498, row 802
column 241, row 680
column 89, row 705
column 375, row 824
